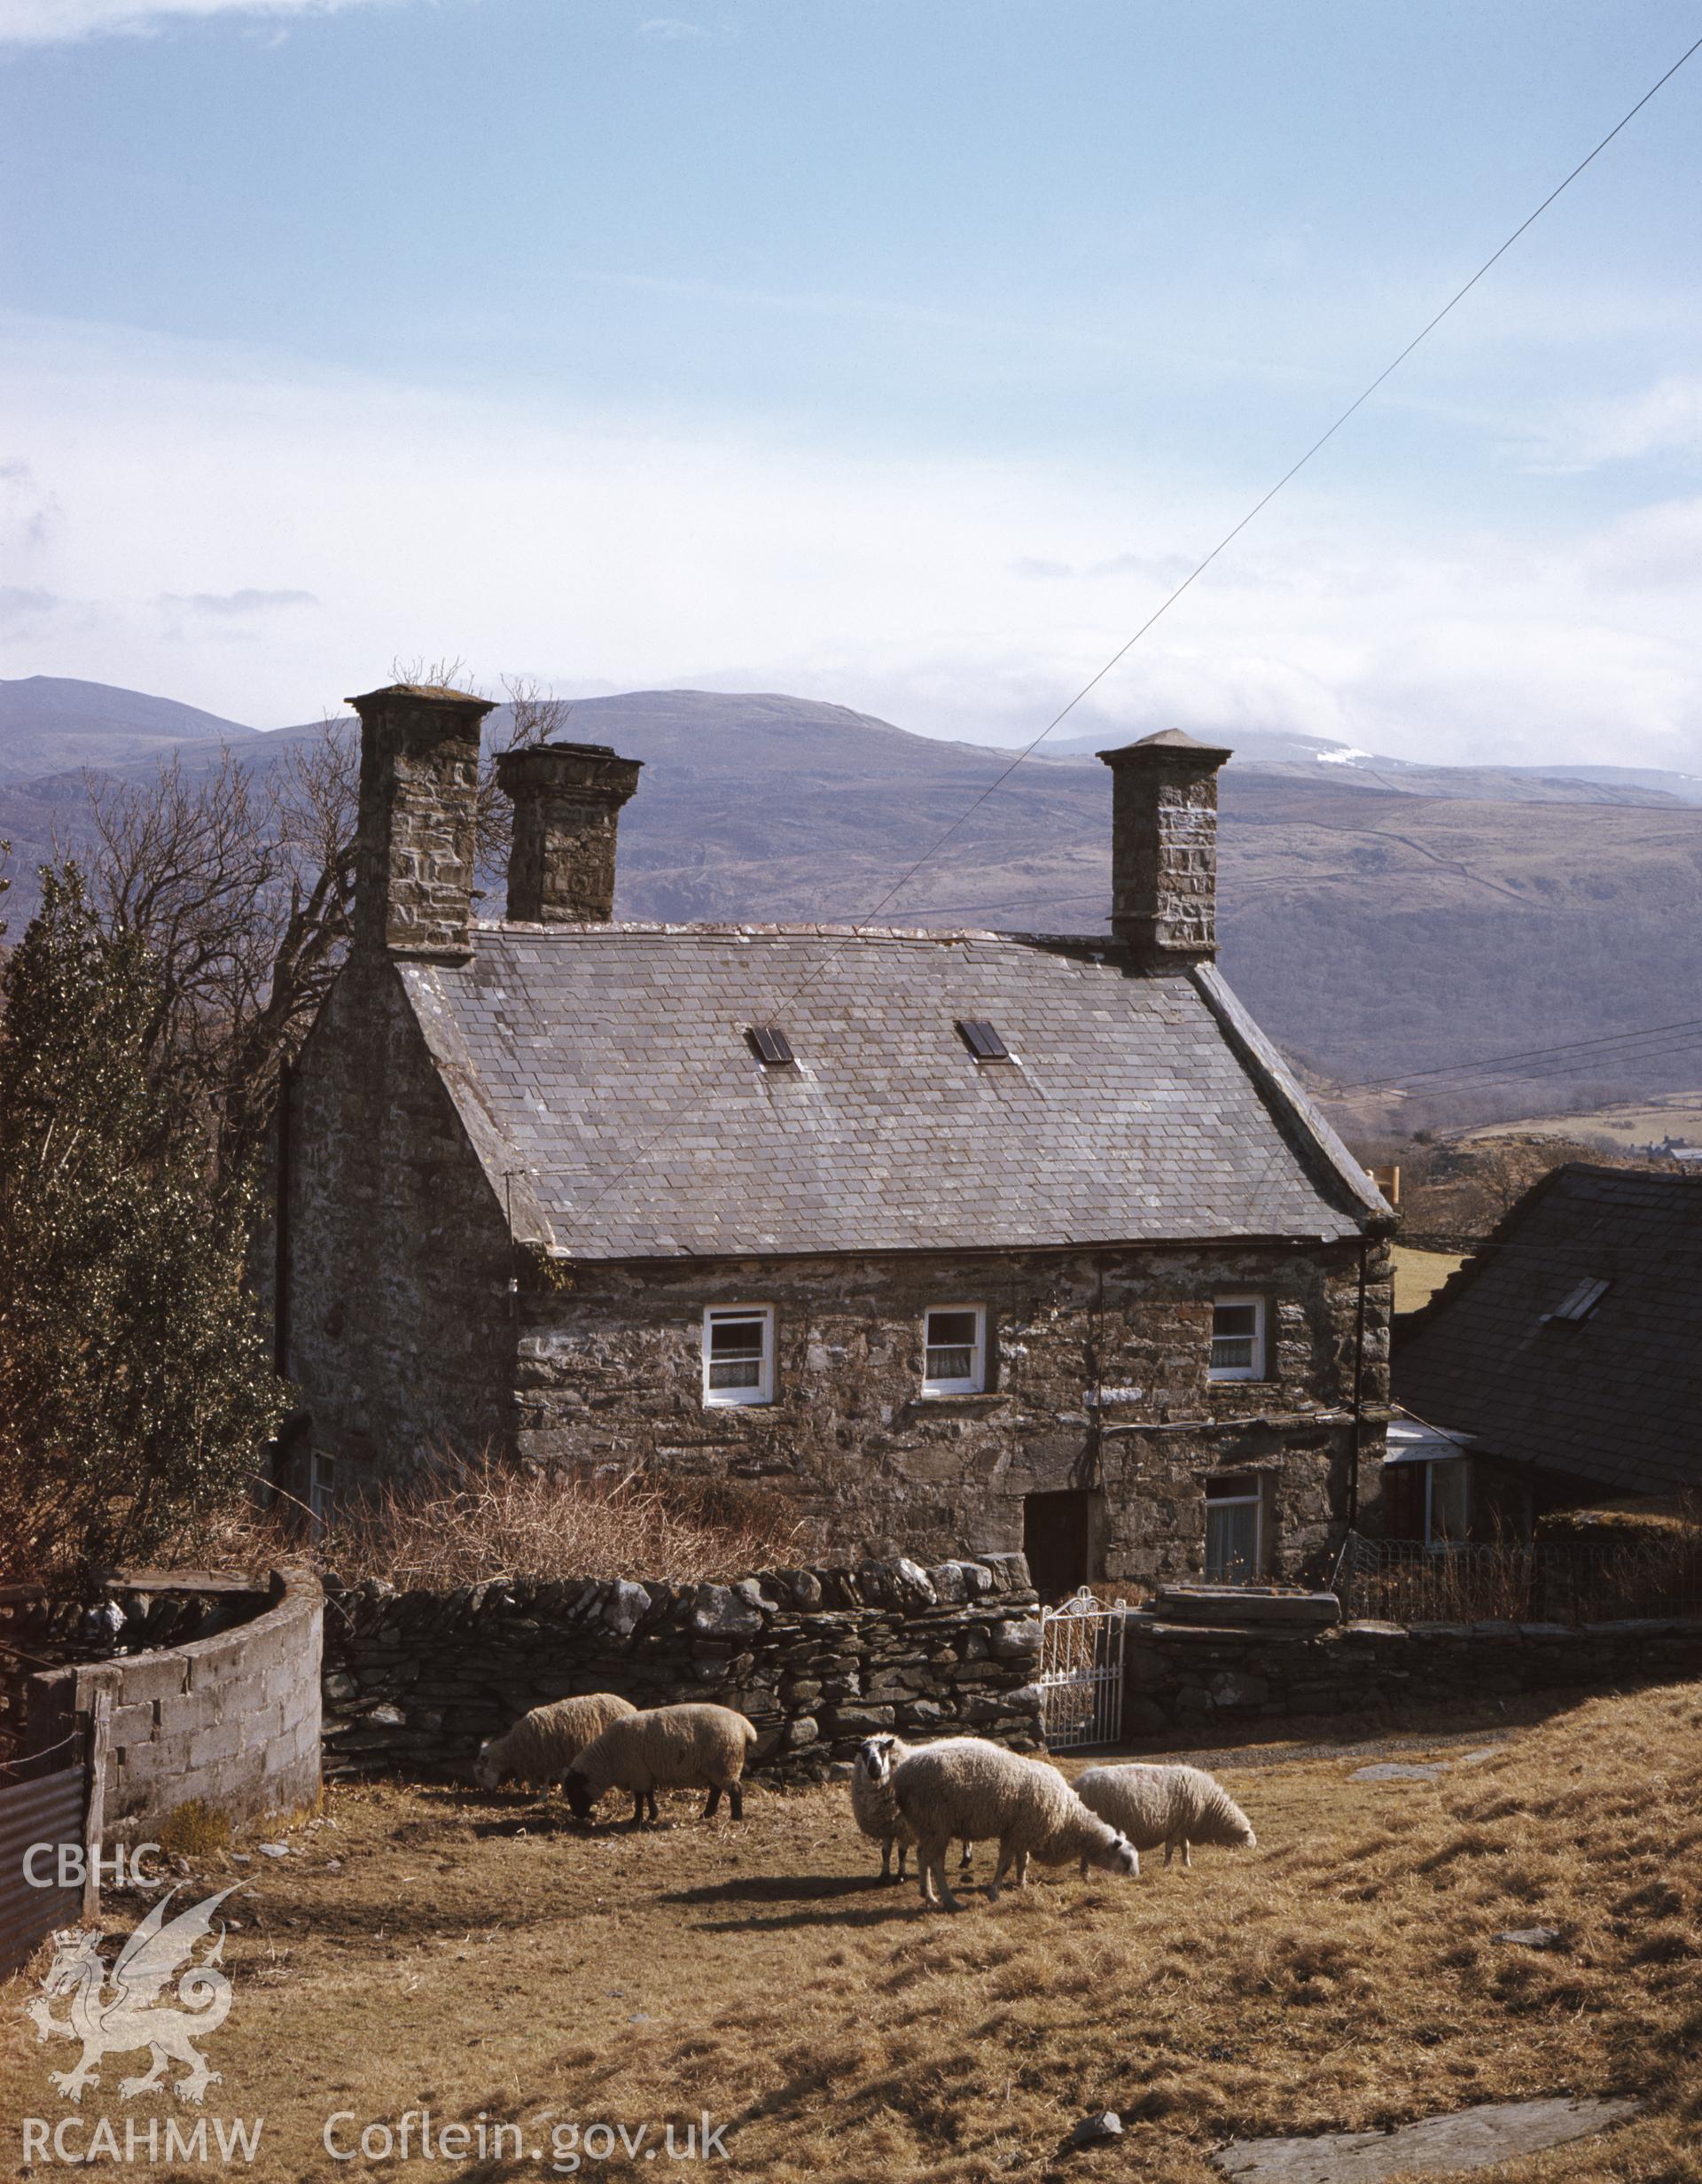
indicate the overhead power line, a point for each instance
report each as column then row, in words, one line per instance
column 778, row 1008
column 1479, row 1063
column 1265, row 499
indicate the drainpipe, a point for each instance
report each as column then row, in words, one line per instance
column 1359, row 1390
column 281, row 1230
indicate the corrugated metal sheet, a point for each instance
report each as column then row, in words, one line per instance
column 49, row 1809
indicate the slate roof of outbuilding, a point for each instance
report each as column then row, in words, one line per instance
column 1615, row 1398
column 604, row 1075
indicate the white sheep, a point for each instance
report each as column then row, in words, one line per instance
column 694, row 1747
column 972, row 1789
column 1174, row 1805
column 874, row 1808
column 540, row 1746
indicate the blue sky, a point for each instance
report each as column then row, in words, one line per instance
column 898, row 352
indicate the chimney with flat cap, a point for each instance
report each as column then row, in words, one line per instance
column 415, row 834
column 567, row 800
column 1164, row 847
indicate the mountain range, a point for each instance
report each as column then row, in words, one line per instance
column 1380, row 917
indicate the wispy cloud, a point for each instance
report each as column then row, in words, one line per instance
column 233, row 603
column 1664, row 419
column 28, row 512
column 25, row 612
column 698, row 555
column 675, row 30
column 52, row 22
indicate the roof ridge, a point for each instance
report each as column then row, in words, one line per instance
column 759, row 929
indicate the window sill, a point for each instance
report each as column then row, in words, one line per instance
column 985, row 1399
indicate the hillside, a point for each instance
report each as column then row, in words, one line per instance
column 1372, row 929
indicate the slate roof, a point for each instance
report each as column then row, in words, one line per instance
column 1615, row 1397
column 604, row 1075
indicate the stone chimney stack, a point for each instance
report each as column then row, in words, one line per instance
column 414, row 840
column 1164, row 847
column 567, row 800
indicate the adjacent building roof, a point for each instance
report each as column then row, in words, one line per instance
column 1574, row 1338
column 606, row 1076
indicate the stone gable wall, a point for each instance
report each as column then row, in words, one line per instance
column 401, row 1326
column 818, row 1660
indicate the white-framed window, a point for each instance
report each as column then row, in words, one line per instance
column 954, row 1350
column 322, row 1488
column 1237, row 1339
column 739, row 1354
column 1235, row 1528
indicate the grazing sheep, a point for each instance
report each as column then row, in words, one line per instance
column 540, row 1746
column 1169, row 1805
column 669, row 1748
column 873, row 1806
column 972, row 1789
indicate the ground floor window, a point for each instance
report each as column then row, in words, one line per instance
column 1237, row 1527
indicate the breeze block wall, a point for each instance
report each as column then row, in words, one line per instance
column 232, row 1720
column 1182, row 1681
column 818, row 1659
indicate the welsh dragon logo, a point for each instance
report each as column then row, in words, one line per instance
column 113, row 2011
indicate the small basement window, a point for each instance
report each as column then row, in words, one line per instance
column 772, row 1047
column 739, row 1354
column 982, row 1040
column 1238, row 1339
column 955, row 1350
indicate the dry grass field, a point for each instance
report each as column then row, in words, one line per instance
column 1419, row 1274
column 434, row 1948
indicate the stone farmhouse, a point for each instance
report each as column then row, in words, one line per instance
column 967, row 1240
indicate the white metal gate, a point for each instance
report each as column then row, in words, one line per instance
column 1081, row 1672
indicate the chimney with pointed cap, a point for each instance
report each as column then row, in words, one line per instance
column 567, row 800
column 414, row 835
column 1164, row 846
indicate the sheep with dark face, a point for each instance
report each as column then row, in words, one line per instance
column 541, row 1746
column 874, row 1808
column 972, row 1790
column 694, row 1747
column 1174, row 1805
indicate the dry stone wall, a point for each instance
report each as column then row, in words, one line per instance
column 818, row 1660
column 1185, row 1682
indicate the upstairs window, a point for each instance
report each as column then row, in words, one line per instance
column 955, row 1350
column 1238, row 1339
column 739, row 1354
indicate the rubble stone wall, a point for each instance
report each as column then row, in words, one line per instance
column 818, row 1660
column 1098, row 1381
column 1182, row 1681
